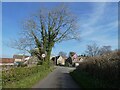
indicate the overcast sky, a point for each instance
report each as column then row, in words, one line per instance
column 98, row 22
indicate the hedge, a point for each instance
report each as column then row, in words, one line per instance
column 16, row 74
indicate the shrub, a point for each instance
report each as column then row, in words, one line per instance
column 39, row 63
column 15, row 74
column 104, row 67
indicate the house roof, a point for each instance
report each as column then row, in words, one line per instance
column 19, row 56
column 7, row 60
column 56, row 57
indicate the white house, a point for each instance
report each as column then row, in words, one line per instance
column 59, row 60
column 26, row 60
column 19, row 58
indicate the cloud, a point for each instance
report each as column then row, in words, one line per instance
column 99, row 9
column 94, row 27
column 93, row 19
column 103, row 32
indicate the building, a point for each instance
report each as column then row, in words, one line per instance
column 19, row 58
column 74, row 59
column 59, row 60
column 7, row 61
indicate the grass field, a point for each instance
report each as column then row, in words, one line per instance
column 28, row 81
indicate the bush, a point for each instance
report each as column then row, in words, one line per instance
column 16, row 74
column 39, row 63
column 103, row 68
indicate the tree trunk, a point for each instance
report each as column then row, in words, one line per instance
column 49, row 50
column 47, row 58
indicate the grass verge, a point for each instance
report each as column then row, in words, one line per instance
column 29, row 81
column 87, row 82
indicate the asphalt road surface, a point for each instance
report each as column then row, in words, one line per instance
column 59, row 78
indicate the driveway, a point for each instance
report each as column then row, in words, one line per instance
column 59, row 78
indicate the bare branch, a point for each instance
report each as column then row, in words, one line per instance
column 47, row 27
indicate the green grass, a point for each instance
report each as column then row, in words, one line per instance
column 87, row 82
column 29, row 81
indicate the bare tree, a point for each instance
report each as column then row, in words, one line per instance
column 45, row 28
column 105, row 50
column 92, row 50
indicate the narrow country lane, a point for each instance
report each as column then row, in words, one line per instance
column 59, row 78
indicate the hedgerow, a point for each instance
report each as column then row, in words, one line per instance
column 106, row 67
column 16, row 74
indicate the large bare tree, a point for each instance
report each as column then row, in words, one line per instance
column 45, row 28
